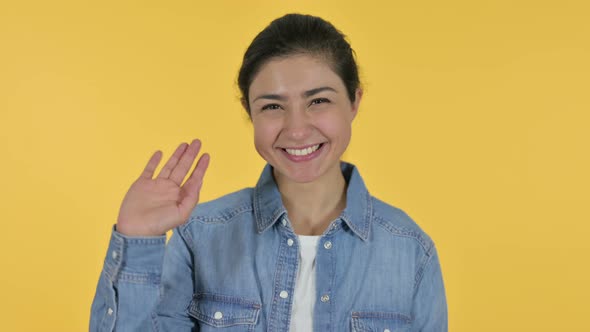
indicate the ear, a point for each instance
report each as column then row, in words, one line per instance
column 358, row 95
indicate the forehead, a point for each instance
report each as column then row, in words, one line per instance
column 294, row 74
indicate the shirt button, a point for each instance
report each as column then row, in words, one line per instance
column 325, row 298
column 290, row 242
column 115, row 255
column 328, row 245
column 284, row 222
column 284, row 294
column 110, row 311
column 218, row 315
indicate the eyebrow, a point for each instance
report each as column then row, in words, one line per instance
column 305, row 94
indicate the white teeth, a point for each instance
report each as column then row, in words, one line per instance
column 303, row 152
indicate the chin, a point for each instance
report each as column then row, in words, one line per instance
column 305, row 175
column 303, row 178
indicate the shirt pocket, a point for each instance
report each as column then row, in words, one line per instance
column 223, row 311
column 373, row 321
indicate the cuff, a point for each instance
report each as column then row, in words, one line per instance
column 134, row 254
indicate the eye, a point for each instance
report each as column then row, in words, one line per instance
column 319, row 101
column 271, row 107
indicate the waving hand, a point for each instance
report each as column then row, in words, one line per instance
column 152, row 206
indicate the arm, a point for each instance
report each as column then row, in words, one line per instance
column 144, row 287
column 177, row 286
column 430, row 305
column 128, row 288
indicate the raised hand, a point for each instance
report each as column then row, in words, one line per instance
column 152, row 207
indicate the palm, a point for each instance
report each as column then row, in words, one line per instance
column 154, row 206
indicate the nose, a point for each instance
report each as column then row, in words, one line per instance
column 298, row 125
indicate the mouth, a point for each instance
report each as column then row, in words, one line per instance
column 301, row 152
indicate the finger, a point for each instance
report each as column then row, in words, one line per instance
column 149, row 169
column 185, row 163
column 196, row 179
column 171, row 163
column 192, row 186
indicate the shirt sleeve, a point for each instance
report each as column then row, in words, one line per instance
column 430, row 305
column 178, row 274
column 129, row 284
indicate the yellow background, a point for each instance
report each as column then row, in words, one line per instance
column 475, row 121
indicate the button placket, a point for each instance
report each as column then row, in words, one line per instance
column 285, row 279
column 324, row 264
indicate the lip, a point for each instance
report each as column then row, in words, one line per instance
column 310, row 156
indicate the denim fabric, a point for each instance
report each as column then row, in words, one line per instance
column 231, row 267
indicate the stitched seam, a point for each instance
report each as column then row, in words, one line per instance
column 332, row 283
column 224, row 217
column 249, row 308
column 139, row 278
column 188, row 239
column 145, row 242
column 227, row 299
column 420, row 272
column 114, row 269
column 368, row 215
column 403, row 232
column 381, row 315
column 155, row 324
column 257, row 211
column 278, row 269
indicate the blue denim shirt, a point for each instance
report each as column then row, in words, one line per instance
column 230, row 267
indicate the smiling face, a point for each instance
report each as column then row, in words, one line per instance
column 302, row 117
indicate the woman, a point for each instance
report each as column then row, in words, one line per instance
column 307, row 249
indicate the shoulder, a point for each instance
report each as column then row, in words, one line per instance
column 223, row 209
column 399, row 224
column 207, row 221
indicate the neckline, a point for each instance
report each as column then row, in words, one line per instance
column 308, row 239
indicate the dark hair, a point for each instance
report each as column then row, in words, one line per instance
column 299, row 34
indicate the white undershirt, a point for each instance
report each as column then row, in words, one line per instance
column 304, row 297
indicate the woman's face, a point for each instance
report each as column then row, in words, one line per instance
column 302, row 117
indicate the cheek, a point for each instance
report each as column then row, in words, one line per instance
column 265, row 134
column 337, row 128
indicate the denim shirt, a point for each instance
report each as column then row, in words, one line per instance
column 232, row 267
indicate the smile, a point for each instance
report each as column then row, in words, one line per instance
column 303, row 152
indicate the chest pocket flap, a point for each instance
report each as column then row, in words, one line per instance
column 223, row 310
column 371, row 321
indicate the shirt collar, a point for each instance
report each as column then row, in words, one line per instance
column 268, row 205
